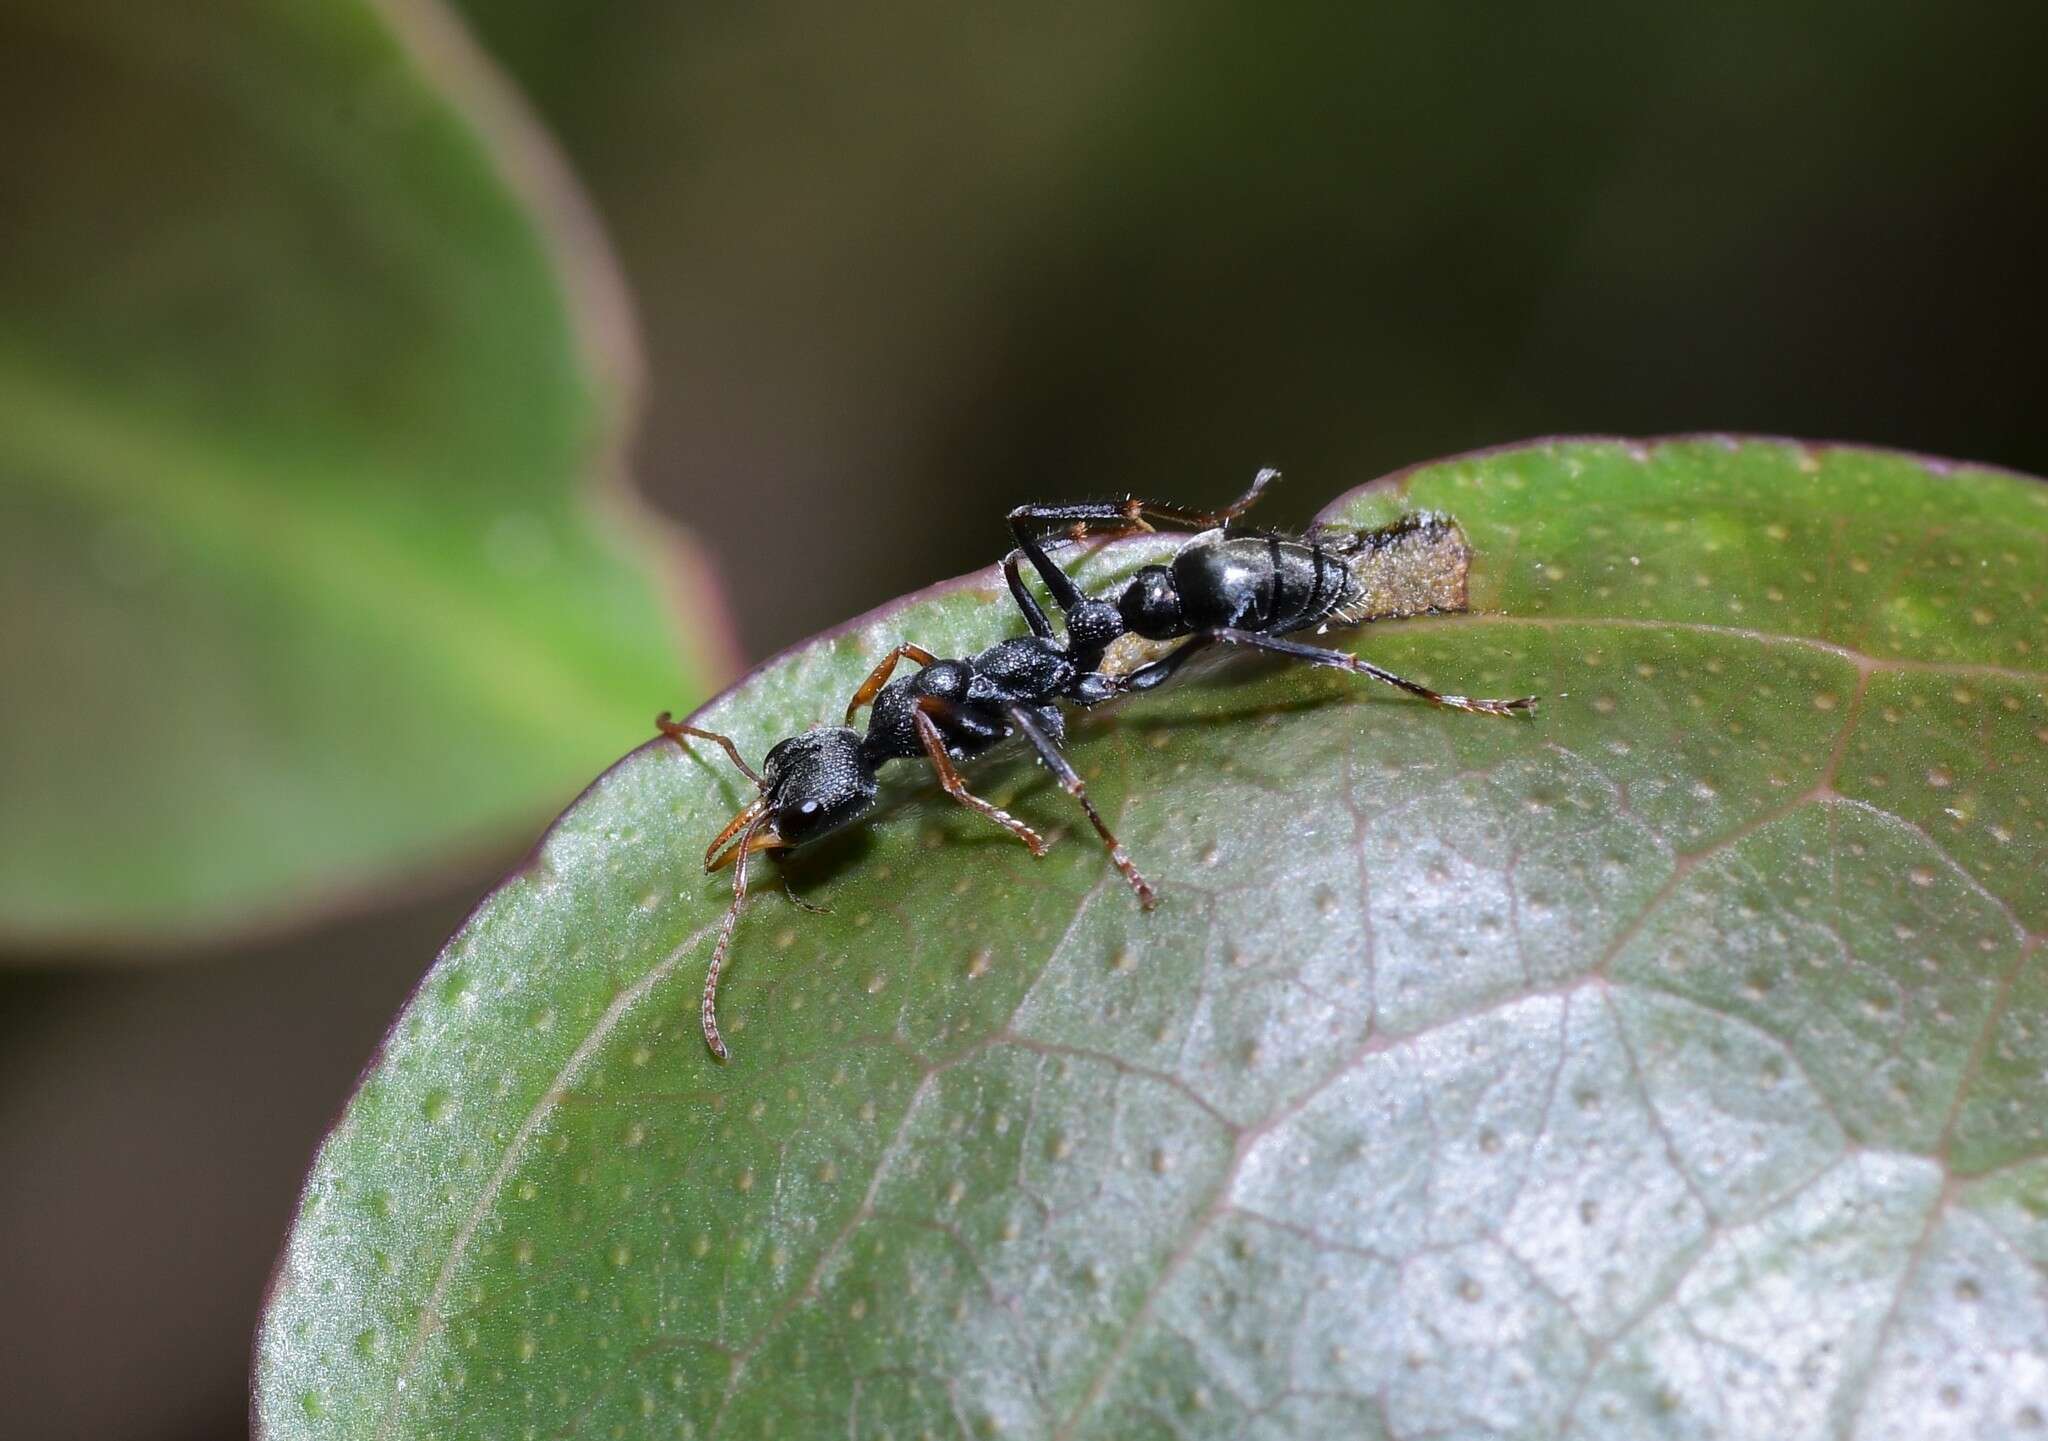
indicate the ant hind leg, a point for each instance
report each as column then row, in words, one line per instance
column 1034, row 613
column 1340, row 660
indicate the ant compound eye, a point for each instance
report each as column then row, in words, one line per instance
column 815, row 816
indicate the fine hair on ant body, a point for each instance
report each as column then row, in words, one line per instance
column 1221, row 587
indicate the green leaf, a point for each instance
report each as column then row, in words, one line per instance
column 308, row 361
column 1673, row 1064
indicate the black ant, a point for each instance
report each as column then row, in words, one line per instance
column 1225, row 587
column 1220, row 588
column 825, row 778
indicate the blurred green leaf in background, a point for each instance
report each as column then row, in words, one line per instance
column 316, row 559
column 954, row 257
column 1673, row 1064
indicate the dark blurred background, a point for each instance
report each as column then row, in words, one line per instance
column 898, row 272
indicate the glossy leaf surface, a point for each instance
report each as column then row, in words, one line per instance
column 309, row 370
column 1674, row 1064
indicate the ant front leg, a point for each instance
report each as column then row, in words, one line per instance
column 675, row 730
column 934, row 743
column 1070, row 781
column 1339, row 660
column 879, row 676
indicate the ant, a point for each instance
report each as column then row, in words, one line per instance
column 825, row 778
column 1221, row 587
column 1226, row 587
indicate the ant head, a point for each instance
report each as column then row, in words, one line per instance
column 1093, row 624
column 811, row 785
column 815, row 783
column 1150, row 604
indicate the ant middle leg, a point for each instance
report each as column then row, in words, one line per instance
column 879, row 676
column 935, row 750
column 1070, row 781
column 1340, row 660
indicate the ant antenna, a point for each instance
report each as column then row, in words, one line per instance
column 732, row 846
column 742, row 852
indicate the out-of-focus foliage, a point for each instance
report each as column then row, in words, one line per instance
column 964, row 256
column 1671, row 1063
column 309, row 367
